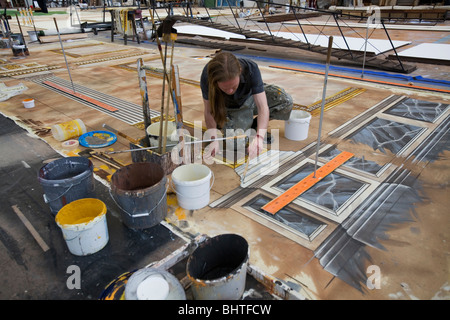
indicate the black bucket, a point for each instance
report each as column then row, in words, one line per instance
column 66, row 180
column 218, row 268
column 139, row 190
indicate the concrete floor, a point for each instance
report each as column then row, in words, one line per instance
column 409, row 248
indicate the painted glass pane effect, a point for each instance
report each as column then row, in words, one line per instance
column 288, row 217
column 418, row 109
column 331, row 192
column 354, row 162
column 383, row 134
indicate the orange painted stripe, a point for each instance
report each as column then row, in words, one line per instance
column 368, row 80
column 293, row 192
column 82, row 96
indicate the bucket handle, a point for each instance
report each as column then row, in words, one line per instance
column 47, row 200
column 210, row 187
column 141, row 214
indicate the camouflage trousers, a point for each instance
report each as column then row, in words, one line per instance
column 280, row 106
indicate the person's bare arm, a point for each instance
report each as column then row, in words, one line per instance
column 256, row 145
column 211, row 126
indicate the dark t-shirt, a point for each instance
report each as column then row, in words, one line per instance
column 250, row 83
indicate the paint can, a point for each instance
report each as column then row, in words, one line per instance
column 67, row 130
column 139, row 190
column 153, row 284
column 84, row 227
column 192, row 184
column 66, row 180
column 218, row 268
column 296, row 128
column 28, row 103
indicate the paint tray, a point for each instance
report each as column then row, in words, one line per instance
column 97, row 139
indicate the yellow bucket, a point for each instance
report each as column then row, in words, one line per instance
column 67, row 130
column 84, row 227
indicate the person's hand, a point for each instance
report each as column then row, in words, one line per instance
column 212, row 149
column 255, row 147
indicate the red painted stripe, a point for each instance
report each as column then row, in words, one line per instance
column 82, row 96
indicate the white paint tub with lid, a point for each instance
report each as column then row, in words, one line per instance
column 28, row 103
column 192, row 184
column 153, row 284
column 296, row 128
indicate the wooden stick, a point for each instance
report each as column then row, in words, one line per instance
column 176, row 91
column 30, row 228
column 169, row 89
column 144, row 98
column 162, row 103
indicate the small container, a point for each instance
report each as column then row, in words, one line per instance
column 28, row 103
column 67, row 130
column 70, row 144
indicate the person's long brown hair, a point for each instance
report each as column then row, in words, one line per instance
column 223, row 67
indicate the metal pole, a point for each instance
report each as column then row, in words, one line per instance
column 173, row 145
column 330, row 44
column 62, row 47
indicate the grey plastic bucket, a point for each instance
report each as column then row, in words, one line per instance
column 218, row 268
column 66, row 180
column 139, row 190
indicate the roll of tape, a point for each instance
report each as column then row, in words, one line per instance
column 70, row 144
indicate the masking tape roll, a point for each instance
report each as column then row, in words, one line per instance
column 70, row 144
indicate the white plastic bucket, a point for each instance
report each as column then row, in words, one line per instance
column 296, row 128
column 33, row 35
column 192, row 184
column 153, row 132
column 84, row 227
column 28, row 103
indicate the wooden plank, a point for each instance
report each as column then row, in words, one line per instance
column 82, row 96
column 30, row 228
column 293, row 192
column 64, row 37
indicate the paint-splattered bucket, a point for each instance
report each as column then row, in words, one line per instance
column 66, row 180
column 296, row 128
column 139, row 190
column 171, row 137
column 218, row 268
column 192, row 184
column 84, row 227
